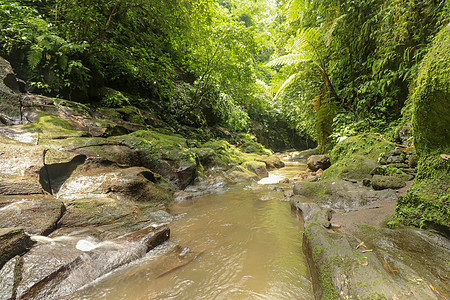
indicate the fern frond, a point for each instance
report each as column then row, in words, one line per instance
column 324, row 122
column 329, row 34
column 289, row 59
column 287, row 83
column 34, row 56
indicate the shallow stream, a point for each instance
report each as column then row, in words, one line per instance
column 243, row 243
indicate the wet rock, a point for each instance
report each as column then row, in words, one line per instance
column 37, row 215
column 272, row 162
column 9, row 95
column 20, row 158
column 72, row 262
column 311, row 212
column 13, row 241
column 340, row 194
column 379, row 182
column 259, row 168
column 354, row 167
column 130, row 184
column 10, row 276
column 316, row 162
column 19, row 185
column 341, row 270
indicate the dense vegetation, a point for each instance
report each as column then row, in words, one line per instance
column 281, row 69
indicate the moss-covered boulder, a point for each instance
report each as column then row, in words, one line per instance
column 431, row 98
column 427, row 202
column 168, row 155
column 355, row 157
column 380, row 182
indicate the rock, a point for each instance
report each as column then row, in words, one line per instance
column 9, row 95
column 19, row 185
column 167, row 155
column 316, row 162
column 340, row 194
column 102, row 180
column 387, row 182
column 272, row 162
column 13, row 241
column 340, row 270
column 10, row 276
column 259, row 168
column 35, row 214
column 395, row 160
column 354, row 167
column 311, row 212
column 239, row 174
column 73, row 262
column 20, row 159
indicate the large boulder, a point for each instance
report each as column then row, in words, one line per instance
column 395, row 264
column 427, row 201
column 340, row 194
column 316, row 162
column 431, row 98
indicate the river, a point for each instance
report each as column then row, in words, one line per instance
column 242, row 243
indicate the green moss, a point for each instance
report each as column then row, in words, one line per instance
column 431, row 98
column 355, row 167
column 317, row 251
column 112, row 98
column 50, row 126
column 427, row 202
column 368, row 145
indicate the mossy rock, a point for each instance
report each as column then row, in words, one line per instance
column 238, row 174
column 427, row 202
column 340, row 270
column 259, row 168
column 431, row 98
column 168, row 155
column 368, row 145
column 51, row 126
column 340, row 194
column 354, row 167
column 379, row 182
column 112, row 98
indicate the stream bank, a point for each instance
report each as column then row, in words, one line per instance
column 84, row 190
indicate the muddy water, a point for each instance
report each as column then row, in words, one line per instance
column 244, row 243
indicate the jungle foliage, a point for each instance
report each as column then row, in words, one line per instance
column 281, row 69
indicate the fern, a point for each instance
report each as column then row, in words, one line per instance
column 34, row 56
column 324, row 122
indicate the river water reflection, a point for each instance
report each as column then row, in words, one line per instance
column 244, row 243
